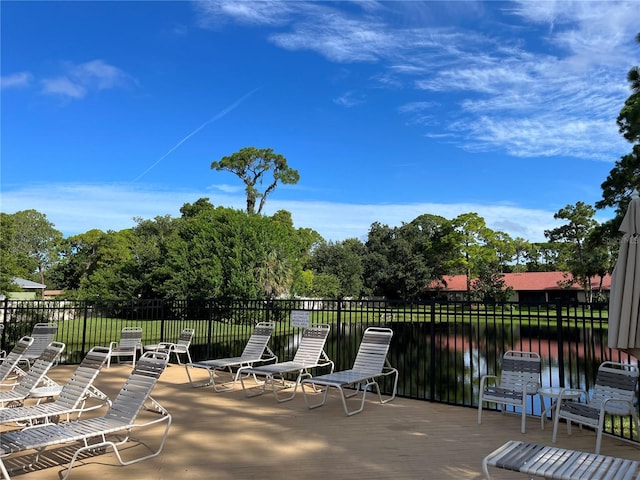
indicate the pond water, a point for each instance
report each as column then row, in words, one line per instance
column 444, row 361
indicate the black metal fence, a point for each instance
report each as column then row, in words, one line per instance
column 441, row 348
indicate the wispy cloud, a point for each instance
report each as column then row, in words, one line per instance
column 263, row 12
column 16, row 80
column 350, row 99
column 115, row 206
column 513, row 96
column 226, row 188
column 77, row 80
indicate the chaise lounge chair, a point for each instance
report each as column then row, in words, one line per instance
column 72, row 398
column 181, row 347
column 9, row 368
column 255, row 351
column 559, row 463
column 310, row 354
column 130, row 345
column 42, row 334
column 35, row 377
column 91, row 434
column 370, row 364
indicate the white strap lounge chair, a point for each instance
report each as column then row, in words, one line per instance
column 371, row 363
column 35, row 377
column 181, row 347
column 520, row 378
column 9, row 370
column 130, row 345
column 42, row 334
column 71, row 399
column 541, row 461
column 310, row 354
column 612, row 394
column 256, row 351
column 89, row 435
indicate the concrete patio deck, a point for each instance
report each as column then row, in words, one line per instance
column 227, row 436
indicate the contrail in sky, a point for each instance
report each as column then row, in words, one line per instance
column 217, row 116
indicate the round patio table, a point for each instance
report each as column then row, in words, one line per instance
column 553, row 394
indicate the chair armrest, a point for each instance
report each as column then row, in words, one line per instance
column 326, row 361
column 606, row 408
column 113, row 345
column 486, row 379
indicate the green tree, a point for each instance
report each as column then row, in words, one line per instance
column 490, row 286
column 629, row 118
column 584, row 260
column 400, row 262
column 505, row 250
column 326, row 286
column 113, row 273
column 218, row 251
column 342, row 260
column 522, row 249
column 9, row 262
column 472, row 238
column 624, row 178
column 79, row 257
column 251, row 164
column 34, row 241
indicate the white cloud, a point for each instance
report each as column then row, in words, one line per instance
column 350, row 99
column 226, row 188
column 63, row 86
column 78, row 80
column 571, row 82
column 264, row 12
column 77, row 208
column 16, row 80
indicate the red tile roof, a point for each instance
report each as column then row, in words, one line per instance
column 526, row 281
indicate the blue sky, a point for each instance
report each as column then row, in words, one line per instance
column 389, row 110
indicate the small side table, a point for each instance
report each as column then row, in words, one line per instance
column 48, row 392
column 553, row 393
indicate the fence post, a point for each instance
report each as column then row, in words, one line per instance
column 268, row 309
column 339, row 333
column 432, row 353
column 211, row 305
column 4, row 322
column 560, row 344
column 84, row 328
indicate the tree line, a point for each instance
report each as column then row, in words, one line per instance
column 210, row 252
column 214, row 251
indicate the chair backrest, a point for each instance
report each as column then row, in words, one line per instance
column 521, row 368
column 372, row 354
column 311, row 345
column 617, row 381
column 130, row 338
column 10, row 362
column 258, row 341
column 43, row 334
column 75, row 390
column 137, row 388
column 185, row 338
column 39, row 369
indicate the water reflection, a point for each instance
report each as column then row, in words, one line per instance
column 444, row 361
